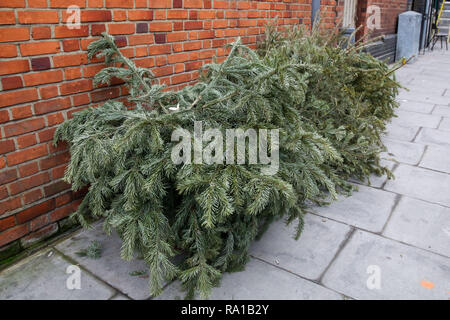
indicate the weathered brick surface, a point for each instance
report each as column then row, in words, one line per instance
column 45, row 77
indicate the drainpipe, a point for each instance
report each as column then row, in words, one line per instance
column 315, row 10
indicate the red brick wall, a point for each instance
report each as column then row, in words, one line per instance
column 390, row 9
column 45, row 77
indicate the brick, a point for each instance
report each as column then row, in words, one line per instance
column 160, row 4
column 185, row 77
column 160, row 26
column 8, row 50
column 9, row 205
column 142, row 28
column 191, row 25
column 8, row 176
column 206, row 34
column 14, row 34
column 176, row 36
column 71, row 45
column 38, row 64
column 105, row 94
column 33, row 79
column 61, row 213
column 97, row 29
column 4, row 117
column 46, row 135
column 120, row 15
column 55, row 188
column 7, row 17
column 160, row 49
column 55, row 160
column 26, row 141
column 141, row 3
column 38, row 222
column 26, row 155
column 12, row 3
column 12, row 83
column 49, row 92
column 95, row 15
column 122, row 28
column 63, row 199
column 58, row 173
column 29, row 183
column 72, row 73
column 38, row 48
column 7, row 223
column 193, row 4
column 17, row 97
column 54, row 119
column 39, row 235
column 3, row 192
column 32, row 196
column 21, row 112
column 39, row 33
column 66, row 4
column 37, row 3
column 28, row 169
column 140, row 39
column 177, row 3
column 35, row 17
column 69, row 60
column 16, row 66
column 177, row 14
column 51, row 105
column 179, row 57
column 75, row 87
column 119, row 3
column 65, row 32
column 140, row 15
column 120, row 41
column 6, row 146
column 160, row 38
column 13, row 234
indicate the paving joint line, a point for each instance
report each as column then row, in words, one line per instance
column 82, row 267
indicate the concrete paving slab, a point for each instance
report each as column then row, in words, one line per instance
column 401, row 132
column 412, row 106
column 377, row 181
column 306, row 257
column 442, row 111
column 402, row 151
column 260, row 281
column 404, row 272
column 424, row 97
column 109, row 267
column 421, row 184
column 369, row 209
column 44, row 277
column 433, row 137
column 421, row 224
column 445, row 124
column 414, row 119
column 436, row 158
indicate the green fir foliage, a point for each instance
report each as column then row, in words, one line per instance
column 330, row 105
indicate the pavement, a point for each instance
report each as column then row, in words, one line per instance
column 390, row 240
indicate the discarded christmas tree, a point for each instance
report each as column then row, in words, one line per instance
column 211, row 212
